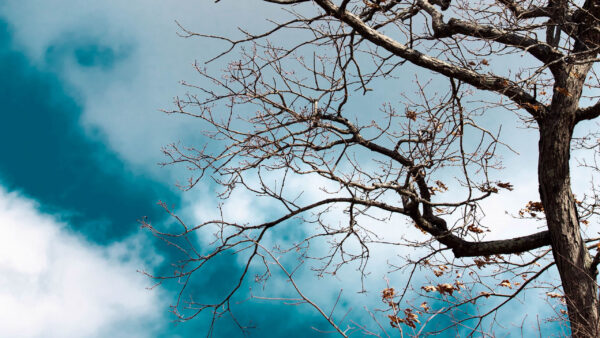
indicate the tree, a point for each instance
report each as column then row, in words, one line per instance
column 303, row 77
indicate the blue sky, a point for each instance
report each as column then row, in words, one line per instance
column 82, row 85
column 80, row 168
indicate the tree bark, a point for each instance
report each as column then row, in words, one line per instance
column 570, row 253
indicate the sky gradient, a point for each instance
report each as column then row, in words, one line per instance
column 82, row 134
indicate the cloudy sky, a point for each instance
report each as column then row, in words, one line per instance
column 82, row 86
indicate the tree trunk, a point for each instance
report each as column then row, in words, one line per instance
column 570, row 253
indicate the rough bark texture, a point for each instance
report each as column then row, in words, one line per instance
column 568, row 247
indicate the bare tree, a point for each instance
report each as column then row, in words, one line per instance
column 290, row 106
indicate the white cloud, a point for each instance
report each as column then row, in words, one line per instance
column 54, row 284
column 123, row 103
column 57, row 283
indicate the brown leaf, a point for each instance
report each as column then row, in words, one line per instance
column 411, row 115
column 395, row 321
column 534, row 206
column 445, row 289
column 428, row 288
column 441, row 185
column 506, row 283
column 479, row 262
column 475, row 229
column 388, row 294
column 489, row 189
column 554, row 295
column 485, row 294
column 505, row 185
column 411, row 318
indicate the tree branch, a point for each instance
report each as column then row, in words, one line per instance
column 588, row 113
column 539, row 50
column 462, row 248
column 486, row 82
column 525, row 13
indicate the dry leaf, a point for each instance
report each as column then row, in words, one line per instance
column 388, row 294
column 428, row 288
column 554, row 295
column 505, row 185
column 441, row 185
column 445, row 289
column 411, row 115
column 489, row 189
column 475, row 229
column 479, row 262
column 395, row 321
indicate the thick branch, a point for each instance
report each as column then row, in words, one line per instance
column 588, row 113
column 462, row 248
column 459, row 246
column 525, row 13
column 486, row 82
column 504, row 246
column 539, row 50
